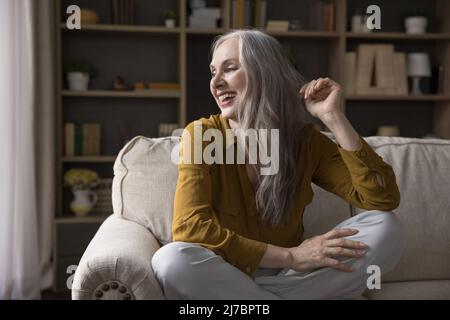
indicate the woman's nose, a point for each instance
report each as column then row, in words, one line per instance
column 218, row 81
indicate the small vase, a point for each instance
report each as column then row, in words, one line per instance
column 83, row 202
column 170, row 23
column 78, row 81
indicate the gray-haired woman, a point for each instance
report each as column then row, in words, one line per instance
column 238, row 234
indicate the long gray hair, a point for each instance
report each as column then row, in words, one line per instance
column 271, row 100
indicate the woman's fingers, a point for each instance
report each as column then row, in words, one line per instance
column 340, row 251
column 336, row 264
column 347, row 243
column 339, row 233
column 311, row 88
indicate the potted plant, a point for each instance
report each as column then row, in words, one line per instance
column 82, row 181
column 79, row 74
column 169, row 19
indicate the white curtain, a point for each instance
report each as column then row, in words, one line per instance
column 25, row 230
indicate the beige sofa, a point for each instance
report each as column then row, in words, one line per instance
column 116, row 264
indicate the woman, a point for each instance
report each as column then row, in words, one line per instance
column 238, row 234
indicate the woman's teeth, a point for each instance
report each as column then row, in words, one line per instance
column 226, row 95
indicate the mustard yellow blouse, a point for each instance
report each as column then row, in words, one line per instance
column 215, row 205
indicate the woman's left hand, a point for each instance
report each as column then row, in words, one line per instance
column 322, row 97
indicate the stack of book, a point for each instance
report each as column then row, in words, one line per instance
column 81, row 139
column 104, row 201
column 122, row 11
column 376, row 69
column 203, row 17
column 246, row 13
column 322, row 16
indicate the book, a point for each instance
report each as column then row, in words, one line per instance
column 350, row 72
column 69, row 139
column 277, row 25
column 364, row 68
column 329, row 16
column 384, row 68
column 164, row 85
column 91, row 139
column 400, row 76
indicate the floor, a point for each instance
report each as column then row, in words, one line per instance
column 51, row 295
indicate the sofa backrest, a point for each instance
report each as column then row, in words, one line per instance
column 422, row 168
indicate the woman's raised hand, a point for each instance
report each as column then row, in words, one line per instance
column 322, row 251
column 322, row 97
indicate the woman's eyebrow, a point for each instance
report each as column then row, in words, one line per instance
column 225, row 61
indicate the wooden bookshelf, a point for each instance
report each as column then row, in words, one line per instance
column 91, row 218
column 398, row 36
column 426, row 97
column 150, row 93
column 114, row 28
column 80, row 159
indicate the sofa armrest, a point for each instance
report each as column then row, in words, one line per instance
column 117, row 263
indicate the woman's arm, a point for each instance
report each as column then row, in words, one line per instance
column 352, row 170
column 323, row 98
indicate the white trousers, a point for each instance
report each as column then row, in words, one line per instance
column 189, row 271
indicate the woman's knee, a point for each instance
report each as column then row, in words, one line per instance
column 388, row 225
column 177, row 264
column 388, row 237
column 168, row 258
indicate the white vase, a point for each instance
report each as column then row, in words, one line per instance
column 83, row 202
column 170, row 23
column 78, row 81
column 416, row 24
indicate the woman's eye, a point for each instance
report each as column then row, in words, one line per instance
column 230, row 69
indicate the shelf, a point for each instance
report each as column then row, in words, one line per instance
column 398, row 36
column 150, row 93
column 206, row 31
column 91, row 218
column 89, row 159
column 123, row 28
column 398, row 98
column 304, row 34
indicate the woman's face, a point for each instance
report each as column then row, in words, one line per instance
column 227, row 77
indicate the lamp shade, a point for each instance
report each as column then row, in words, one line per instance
column 419, row 65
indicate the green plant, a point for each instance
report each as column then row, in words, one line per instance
column 79, row 66
column 170, row 15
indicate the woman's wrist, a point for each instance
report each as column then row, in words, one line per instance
column 277, row 257
column 333, row 119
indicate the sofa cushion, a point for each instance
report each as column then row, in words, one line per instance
column 422, row 168
column 144, row 184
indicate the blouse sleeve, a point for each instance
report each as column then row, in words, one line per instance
column 194, row 220
column 360, row 177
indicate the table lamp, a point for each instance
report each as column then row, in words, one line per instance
column 418, row 66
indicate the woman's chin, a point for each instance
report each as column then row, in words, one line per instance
column 227, row 112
